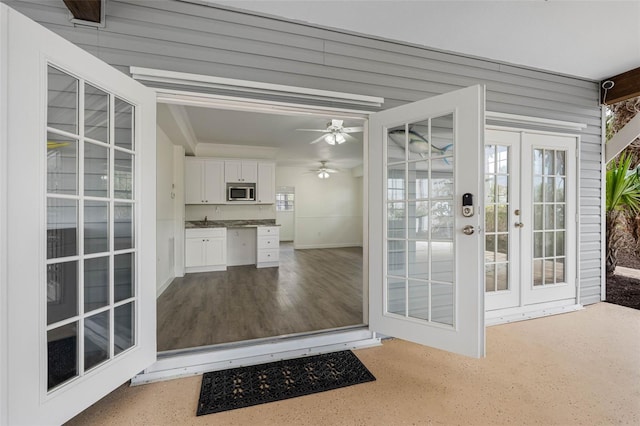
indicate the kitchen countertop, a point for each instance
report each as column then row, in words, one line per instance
column 192, row 224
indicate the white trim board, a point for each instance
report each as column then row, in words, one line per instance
column 622, row 138
column 522, row 313
column 251, row 87
column 527, row 120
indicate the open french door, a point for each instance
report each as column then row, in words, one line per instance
column 425, row 183
column 79, row 160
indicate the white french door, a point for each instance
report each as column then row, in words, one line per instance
column 530, row 218
column 80, row 276
column 425, row 256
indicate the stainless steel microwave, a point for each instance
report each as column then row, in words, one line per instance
column 241, row 192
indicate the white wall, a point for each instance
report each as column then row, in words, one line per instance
column 165, row 212
column 328, row 212
column 287, row 223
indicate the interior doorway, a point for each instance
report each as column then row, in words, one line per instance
column 319, row 209
column 530, row 211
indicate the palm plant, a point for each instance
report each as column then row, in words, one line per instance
column 623, row 195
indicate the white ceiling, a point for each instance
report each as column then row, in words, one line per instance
column 228, row 133
column 589, row 39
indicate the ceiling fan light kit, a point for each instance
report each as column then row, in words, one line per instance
column 324, row 175
column 335, row 133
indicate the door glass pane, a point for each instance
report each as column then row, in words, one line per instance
column 442, row 220
column 96, row 339
column 442, row 303
column 96, row 114
column 62, row 228
column 123, row 233
column 502, row 277
column 537, row 272
column 490, row 277
column 490, row 248
column 396, row 220
column 442, row 261
column 442, row 136
column 62, row 354
column 419, row 299
column 419, row 140
column 396, row 297
column 442, row 177
column 124, row 330
column 96, row 170
column 96, row 283
column 62, row 291
column 396, row 141
column 62, row 101
column 420, row 216
column 395, row 182
column 123, row 175
column 418, row 180
column 396, row 258
column 96, row 226
column 123, row 124
column 62, row 165
column 419, row 220
column 123, row 276
column 419, row 259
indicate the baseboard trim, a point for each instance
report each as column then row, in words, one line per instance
column 325, row 246
column 164, row 286
column 530, row 312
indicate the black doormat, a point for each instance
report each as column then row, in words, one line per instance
column 275, row 381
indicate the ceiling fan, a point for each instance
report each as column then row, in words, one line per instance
column 335, row 133
column 323, row 171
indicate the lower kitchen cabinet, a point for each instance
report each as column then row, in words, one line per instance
column 205, row 249
column 268, row 247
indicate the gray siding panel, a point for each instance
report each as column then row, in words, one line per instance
column 215, row 41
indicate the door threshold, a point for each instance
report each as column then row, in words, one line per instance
column 523, row 313
column 195, row 361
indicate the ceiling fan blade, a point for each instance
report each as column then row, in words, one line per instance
column 317, row 140
column 352, row 129
column 336, row 123
column 314, row 130
column 331, row 171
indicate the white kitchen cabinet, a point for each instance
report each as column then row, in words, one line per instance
column 204, row 181
column 241, row 171
column 266, row 185
column 205, row 249
column 268, row 247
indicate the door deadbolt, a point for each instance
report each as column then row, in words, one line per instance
column 468, row 230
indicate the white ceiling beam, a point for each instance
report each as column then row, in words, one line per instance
column 622, row 139
column 180, row 115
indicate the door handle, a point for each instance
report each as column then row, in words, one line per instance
column 468, row 230
column 519, row 225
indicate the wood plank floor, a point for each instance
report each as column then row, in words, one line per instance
column 312, row 290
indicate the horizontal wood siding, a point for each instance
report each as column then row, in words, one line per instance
column 192, row 38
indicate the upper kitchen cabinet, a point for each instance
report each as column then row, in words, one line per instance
column 266, row 190
column 241, row 171
column 204, row 181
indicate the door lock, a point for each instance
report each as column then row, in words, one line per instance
column 468, row 230
column 519, row 225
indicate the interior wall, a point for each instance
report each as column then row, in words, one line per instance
column 328, row 212
column 165, row 212
column 287, row 222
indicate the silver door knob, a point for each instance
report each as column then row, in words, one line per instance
column 519, row 225
column 468, row 230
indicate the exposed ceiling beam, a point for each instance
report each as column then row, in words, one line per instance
column 625, row 86
column 622, row 138
column 85, row 10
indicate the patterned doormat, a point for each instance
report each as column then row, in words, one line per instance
column 246, row 386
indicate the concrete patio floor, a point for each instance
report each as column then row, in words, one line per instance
column 576, row 368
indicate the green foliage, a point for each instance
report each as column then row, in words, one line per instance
column 623, row 186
